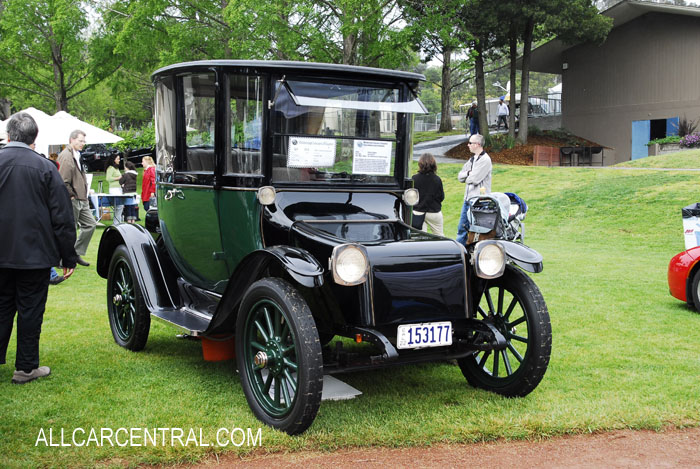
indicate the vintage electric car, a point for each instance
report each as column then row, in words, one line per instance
column 284, row 209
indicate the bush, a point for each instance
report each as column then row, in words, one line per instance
column 669, row 139
column 534, row 131
column 691, row 141
column 145, row 137
column 498, row 142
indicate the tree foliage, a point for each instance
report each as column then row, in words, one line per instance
column 44, row 54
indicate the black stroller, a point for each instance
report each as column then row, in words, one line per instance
column 497, row 215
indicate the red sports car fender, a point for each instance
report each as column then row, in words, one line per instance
column 679, row 272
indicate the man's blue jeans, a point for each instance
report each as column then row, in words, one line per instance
column 463, row 226
column 474, row 127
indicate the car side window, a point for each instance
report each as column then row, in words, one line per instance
column 245, row 125
column 165, row 128
column 199, row 98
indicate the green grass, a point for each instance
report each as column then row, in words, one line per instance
column 428, row 135
column 689, row 158
column 625, row 353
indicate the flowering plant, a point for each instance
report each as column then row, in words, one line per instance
column 691, row 141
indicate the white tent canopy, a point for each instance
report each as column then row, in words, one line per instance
column 55, row 130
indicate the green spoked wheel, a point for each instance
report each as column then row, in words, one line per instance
column 514, row 305
column 279, row 356
column 129, row 319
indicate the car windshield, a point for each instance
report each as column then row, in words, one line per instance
column 332, row 132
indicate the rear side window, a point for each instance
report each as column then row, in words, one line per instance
column 245, row 125
column 165, row 127
column 200, row 117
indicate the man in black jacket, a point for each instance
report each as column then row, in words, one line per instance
column 38, row 231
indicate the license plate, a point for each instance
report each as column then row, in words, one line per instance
column 428, row 334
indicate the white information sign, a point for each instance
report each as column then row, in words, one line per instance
column 371, row 157
column 309, row 152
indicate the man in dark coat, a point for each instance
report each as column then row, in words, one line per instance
column 38, row 232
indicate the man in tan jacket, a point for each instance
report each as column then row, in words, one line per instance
column 74, row 178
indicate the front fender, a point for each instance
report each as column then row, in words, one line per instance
column 144, row 256
column 524, row 257
column 299, row 264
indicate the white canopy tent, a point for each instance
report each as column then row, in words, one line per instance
column 55, row 130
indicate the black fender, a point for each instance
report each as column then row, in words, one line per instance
column 524, row 257
column 299, row 264
column 149, row 268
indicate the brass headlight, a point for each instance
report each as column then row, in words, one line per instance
column 411, row 196
column 266, row 195
column 489, row 259
column 349, row 264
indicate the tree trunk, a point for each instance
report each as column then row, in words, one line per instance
column 445, row 102
column 480, row 88
column 58, row 78
column 525, row 80
column 513, row 46
column 228, row 53
column 5, row 108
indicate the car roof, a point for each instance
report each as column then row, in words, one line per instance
column 286, row 66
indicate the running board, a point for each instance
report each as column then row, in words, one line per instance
column 192, row 321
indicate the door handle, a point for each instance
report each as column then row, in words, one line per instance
column 174, row 192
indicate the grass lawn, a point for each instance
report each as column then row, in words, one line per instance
column 689, row 158
column 428, row 135
column 625, row 353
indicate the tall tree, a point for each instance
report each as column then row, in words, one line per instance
column 439, row 32
column 353, row 32
column 46, row 52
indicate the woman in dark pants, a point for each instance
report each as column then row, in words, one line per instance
column 429, row 187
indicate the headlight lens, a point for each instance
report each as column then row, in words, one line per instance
column 490, row 259
column 349, row 264
column 411, row 196
column 266, row 195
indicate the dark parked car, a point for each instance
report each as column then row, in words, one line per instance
column 94, row 156
column 284, row 218
column 135, row 155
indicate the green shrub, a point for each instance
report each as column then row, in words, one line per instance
column 145, row 137
column 669, row 139
column 534, row 131
column 499, row 142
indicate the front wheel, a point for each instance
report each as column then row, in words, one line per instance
column 279, row 356
column 129, row 318
column 514, row 305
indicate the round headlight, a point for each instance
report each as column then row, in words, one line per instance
column 266, row 195
column 349, row 265
column 490, row 260
column 411, row 196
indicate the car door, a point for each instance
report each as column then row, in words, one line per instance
column 188, row 202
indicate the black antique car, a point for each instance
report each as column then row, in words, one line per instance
column 284, row 209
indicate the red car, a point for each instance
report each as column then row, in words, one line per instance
column 684, row 277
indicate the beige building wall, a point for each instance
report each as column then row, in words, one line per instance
column 647, row 69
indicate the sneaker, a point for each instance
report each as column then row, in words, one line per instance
column 82, row 262
column 56, row 280
column 21, row 377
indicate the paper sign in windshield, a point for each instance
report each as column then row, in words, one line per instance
column 307, row 152
column 371, row 157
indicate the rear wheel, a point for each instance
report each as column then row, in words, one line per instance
column 514, row 305
column 279, row 356
column 129, row 319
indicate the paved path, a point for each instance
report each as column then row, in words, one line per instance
column 439, row 147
